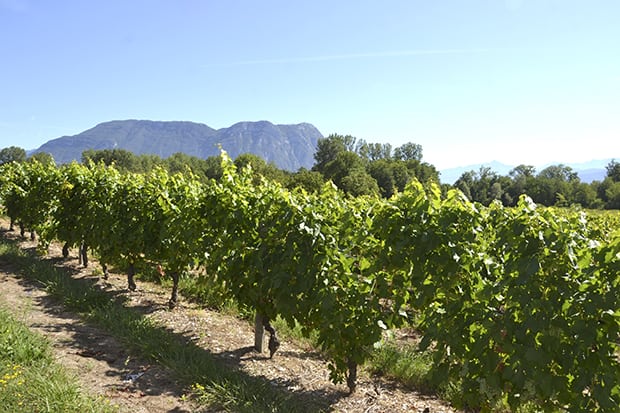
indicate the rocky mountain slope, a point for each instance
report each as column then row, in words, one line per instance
column 289, row 147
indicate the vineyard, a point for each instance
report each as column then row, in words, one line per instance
column 516, row 304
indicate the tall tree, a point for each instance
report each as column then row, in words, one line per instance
column 12, row 154
column 409, row 151
column 344, row 163
column 213, row 167
column 311, row 181
column 483, row 186
column 375, row 151
column 327, row 150
column 613, row 170
column 520, row 182
column 522, row 171
column 358, row 182
column 554, row 186
column 383, row 172
column 261, row 168
column 43, row 158
column 559, row 172
column 122, row 159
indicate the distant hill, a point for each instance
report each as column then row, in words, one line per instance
column 587, row 171
column 289, row 147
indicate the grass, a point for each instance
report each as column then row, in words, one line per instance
column 210, row 383
column 404, row 363
column 30, row 380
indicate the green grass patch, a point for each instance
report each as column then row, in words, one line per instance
column 202, row 290
column 30, row 380
column 296, row 334
column 404, row 363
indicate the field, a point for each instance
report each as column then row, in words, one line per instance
column 514, row 307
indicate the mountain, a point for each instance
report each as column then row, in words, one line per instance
column 289, row 147
column 587, row 171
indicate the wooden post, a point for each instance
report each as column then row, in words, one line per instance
column 259, row 333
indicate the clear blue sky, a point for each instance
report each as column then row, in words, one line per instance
column 519, row 81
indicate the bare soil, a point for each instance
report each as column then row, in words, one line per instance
column 105, row 368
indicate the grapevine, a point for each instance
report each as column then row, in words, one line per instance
column 516, row 304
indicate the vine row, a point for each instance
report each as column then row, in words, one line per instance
column 516, row 304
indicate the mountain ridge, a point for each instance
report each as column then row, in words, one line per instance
column 289, row 147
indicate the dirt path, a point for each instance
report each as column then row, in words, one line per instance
column 100, row 363
column 105, row 368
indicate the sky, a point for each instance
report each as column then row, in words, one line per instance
column 517, row 81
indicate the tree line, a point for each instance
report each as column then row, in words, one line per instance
column 361, row 168
column 556, row 185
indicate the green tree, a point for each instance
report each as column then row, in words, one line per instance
column 375, row 151
column 409, row 151
column 465, row 183
column 213, row 167
column 612, row 193
column 43, row 158
column 261, row 168
column 422, row 171
column 344, row 163
column 608, row 192
column 182, row 162
column 358, row 182
column 339, row 157
column 519, row 182
column 328, row 149
column 148, row 162
column 122, row 159
column 585, row 195
column 554, row 185
column 382, row 171
column 311, row 181
column 613, row 170
column 483, row 186
column 559, row 172
column 402, row 174
column 522, row 171
column 12, row 154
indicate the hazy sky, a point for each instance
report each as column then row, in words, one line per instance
column 518, row 81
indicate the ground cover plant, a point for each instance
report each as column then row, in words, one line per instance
column 30, row 379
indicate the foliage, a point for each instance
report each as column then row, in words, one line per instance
column 556, row 185
column 613, row 170
column 409, row 152
column 120, row 158
column 361, row 168
column 12, row 154
column 311, row 181
column 43, row 157
column 214, row 384
column 518, row 305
